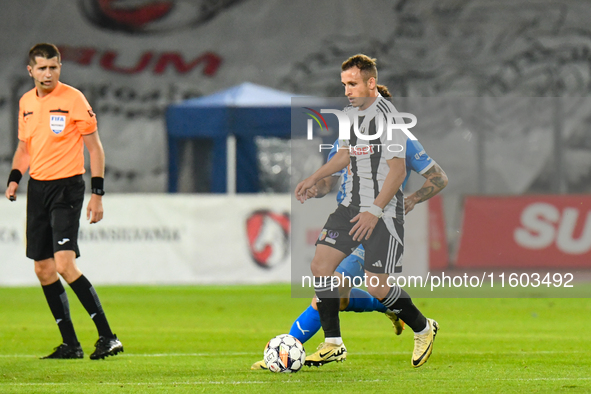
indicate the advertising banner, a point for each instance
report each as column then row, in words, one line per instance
column 164, row 239
column 529, row 231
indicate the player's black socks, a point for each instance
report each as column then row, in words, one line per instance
column 60, row 308
column 400, row 303
column 328, row 304
column 89, row 299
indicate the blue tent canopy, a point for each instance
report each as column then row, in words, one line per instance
column 245, row 111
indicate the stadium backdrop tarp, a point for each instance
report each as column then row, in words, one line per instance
column 245, row 111
column 167, row 239
column 184, row 239
column 131, row 71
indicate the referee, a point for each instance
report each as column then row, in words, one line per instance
column 55, row 123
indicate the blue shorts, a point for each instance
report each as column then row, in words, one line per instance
column 352, row 265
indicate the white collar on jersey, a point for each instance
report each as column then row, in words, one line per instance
column 369, row 113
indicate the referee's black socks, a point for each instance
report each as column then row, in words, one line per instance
column 90, row 301
column 400, row 303
column 57, row 299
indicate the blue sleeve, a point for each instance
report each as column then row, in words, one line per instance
column 416, row 158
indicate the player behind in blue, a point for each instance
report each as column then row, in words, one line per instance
column 355, row 299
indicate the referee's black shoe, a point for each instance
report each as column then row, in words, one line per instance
column 65, row 351
column 106, row 347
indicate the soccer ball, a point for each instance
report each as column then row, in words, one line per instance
column 284, row 353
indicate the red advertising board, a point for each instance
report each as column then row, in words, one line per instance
column 438, row 252
column 526, row 232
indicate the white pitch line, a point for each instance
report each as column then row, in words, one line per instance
column 137, row 383
column 233, row 354
column 234, row 383
column 154, row 354
column 191, row 354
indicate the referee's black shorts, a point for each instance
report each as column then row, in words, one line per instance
column 53, row 216
column 383, row 249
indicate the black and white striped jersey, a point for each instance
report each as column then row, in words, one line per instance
column 368, row 167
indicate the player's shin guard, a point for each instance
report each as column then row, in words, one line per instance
column 306, row 325
column 362, row 301
column 89, row 299
column 328, row 302
column 57, row 299
column 400, row 303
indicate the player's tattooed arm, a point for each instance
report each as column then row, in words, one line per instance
column 436, row 180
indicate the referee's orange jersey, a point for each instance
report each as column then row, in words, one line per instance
column 52, row 127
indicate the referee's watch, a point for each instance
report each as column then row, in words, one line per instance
column 98, row 192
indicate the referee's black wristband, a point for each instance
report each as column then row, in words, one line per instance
column 15, row 176
column 97, row 185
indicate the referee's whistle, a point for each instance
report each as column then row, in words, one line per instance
column 12, row 198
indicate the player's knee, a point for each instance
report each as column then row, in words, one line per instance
column 378, row 292
column 318, row 268
column 65, row 262
column 69, row 272
column 344, row 304
column 45, row 271
column 62, row 268
column 41, row 271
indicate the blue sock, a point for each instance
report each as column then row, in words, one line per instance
column 362, row 301
column 306, row 325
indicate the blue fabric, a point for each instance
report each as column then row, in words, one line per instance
column 362, row 301
column 306, row 325
column 344, row 172
column 416, row 159
column 246, row 110
column 351, row 266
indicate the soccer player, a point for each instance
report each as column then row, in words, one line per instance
column 55, row 123
column 371, row 214
column 355, row 299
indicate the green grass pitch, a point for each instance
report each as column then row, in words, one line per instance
column 189, row 339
